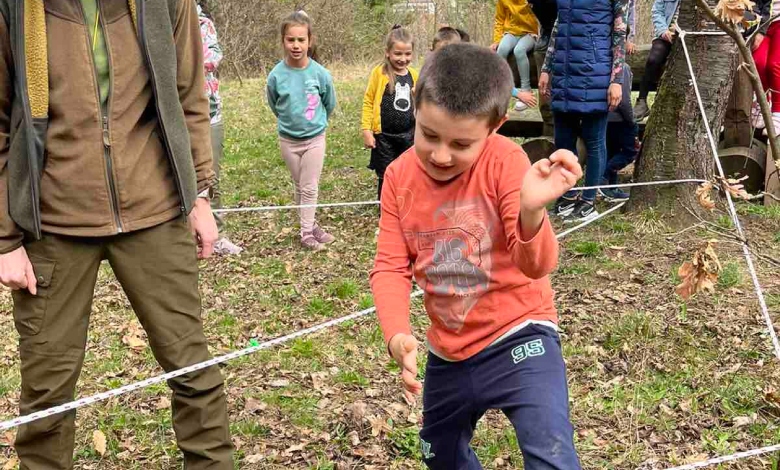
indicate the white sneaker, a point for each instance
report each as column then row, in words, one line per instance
column 520, row 106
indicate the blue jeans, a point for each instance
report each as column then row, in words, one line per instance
column 525, row 377
column 621, row 148
column 520, row 45
column 592, row 128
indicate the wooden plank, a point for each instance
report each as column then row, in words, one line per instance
column 528, row 124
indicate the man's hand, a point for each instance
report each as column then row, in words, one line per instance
column 757, row 41
column 494, row 47
column 403, row 348
column 548, row 179
column 369, row 141
column 203, row 227
column 630, row 48
column 16, row 271
column 544, row 84
column 668, row 36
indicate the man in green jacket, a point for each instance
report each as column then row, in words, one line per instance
column 107, row 159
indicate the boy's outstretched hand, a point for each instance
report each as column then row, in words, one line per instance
column 548, row 179
column 403, row 348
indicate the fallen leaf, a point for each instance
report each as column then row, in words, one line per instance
column 99, row 442
column 736, row 188
column 696, row 458
column 703, row 193
column 378, row 426
column 281, row 383
column 354, row 439
column 254, row 458
column 700, row 274
column 295, row 448
column 742, row 421
column 163, row 404
column 11, row 464
column 253, row 405
column 357, row 411
column 133, row 342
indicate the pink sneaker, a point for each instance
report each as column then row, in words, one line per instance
column 309, row 242
column 322, row 236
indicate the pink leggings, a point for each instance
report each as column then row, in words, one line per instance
column 767, row 58
column 304, row 159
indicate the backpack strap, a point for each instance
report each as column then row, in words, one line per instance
column 172, row 5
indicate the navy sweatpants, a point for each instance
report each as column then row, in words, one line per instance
column 524, row 376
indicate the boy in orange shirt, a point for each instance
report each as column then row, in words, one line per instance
column 463, row 211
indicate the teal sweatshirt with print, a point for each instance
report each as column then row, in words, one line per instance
column 302, row 99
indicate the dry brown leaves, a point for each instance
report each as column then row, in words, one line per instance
column 735, row 187
column 701, row 273
column 99, row 442
column 733, row 11
column 703, row 195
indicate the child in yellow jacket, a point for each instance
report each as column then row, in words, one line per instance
column 516, row 29
column 388, row 122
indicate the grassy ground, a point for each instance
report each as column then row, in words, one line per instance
column 653, row 381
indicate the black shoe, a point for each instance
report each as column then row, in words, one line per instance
column 583, row 211
column 641, row 111
column 564, row 206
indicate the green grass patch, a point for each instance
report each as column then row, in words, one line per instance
column 730, row 276
column 344, row 289
column 586, row 248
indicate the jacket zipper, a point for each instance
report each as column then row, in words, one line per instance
column 153, row 81
column 105, row 112
column 22, row 66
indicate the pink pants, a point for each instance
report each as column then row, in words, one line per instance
column 767, row 58
column 304, row 159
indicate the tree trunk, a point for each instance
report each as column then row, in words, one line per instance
column 675, row 143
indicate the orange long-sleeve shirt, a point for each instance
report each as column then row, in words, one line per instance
column 461, row 241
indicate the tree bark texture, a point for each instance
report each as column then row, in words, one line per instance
column 675, row 144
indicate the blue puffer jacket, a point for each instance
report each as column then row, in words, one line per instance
column 582, row 66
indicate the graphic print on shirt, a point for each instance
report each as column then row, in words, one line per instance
column 403, row 97
column 312, row 99
column 456, row 259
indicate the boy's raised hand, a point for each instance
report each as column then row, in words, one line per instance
column 548, row 179
column 403, row 348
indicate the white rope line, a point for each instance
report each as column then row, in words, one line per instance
column 294, row 206
column 728, row 458
column 590, row 221
column 374, row 203
column 5, row 425
column 635, row 185
column 732, row 208
column 13, row 423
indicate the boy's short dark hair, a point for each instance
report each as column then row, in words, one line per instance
column 467, row 81
column 445, row 34
column 464, row 36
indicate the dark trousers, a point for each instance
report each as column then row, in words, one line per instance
column 388, row 147
column 592, row 128
column 525, row 377
column 621, row 148
column 158, row 270
column 656, row 60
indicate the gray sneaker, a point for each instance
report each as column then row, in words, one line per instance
column 641, row 111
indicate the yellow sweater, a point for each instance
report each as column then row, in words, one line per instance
column 514, row 17
column 372, row 100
